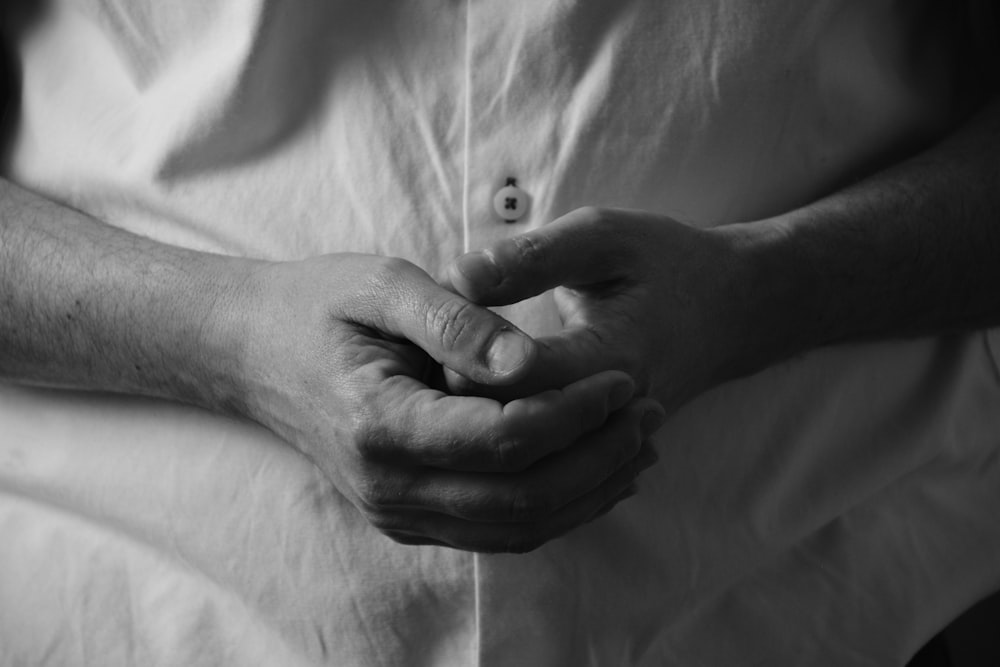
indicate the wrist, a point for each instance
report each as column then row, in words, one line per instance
column 772, row 291
column 212, row 370
column 266, row 340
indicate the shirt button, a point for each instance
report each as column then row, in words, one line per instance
column 510, row 202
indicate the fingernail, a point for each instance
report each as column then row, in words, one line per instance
column 508, row 352
column 620, row 395
column 652, row 421
column 479, row 269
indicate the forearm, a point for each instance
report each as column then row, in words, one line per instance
column 910, row 251
column 87, row 305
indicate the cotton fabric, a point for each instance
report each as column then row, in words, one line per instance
column 836, row 509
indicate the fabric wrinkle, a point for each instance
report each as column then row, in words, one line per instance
column 790, row 508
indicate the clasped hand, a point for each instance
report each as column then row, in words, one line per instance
column 526, row 439
column 664, row 302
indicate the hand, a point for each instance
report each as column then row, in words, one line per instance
column 338, row 353
column 664, row 302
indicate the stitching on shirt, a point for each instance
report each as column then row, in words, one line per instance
column 466, row 246
column 468, row 128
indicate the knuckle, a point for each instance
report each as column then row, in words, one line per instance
column 522, row 541
column 384, row 522
column 451, row 321
column 383, row 288
column 510, row 454
column 604, row 226
column 375, row 494
column 530, row 503
column 592, row 214
column 530, row 250
column 370, row 438
column 386, row 272
column 382, row 279
column 602, row 220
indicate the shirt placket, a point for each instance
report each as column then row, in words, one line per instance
column 512, row 117
column 508, row 174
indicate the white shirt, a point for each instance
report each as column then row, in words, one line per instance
column 835, row 509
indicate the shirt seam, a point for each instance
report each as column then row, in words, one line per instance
column 466, row 139
column 477, row 643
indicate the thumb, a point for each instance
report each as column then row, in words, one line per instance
column 582, row 248
column 559, row 360
column 458, row 334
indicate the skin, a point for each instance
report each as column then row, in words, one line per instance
column 331, row 354
column 909, row 251
column 337, row 354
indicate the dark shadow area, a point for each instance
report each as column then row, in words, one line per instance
column 16, row 18
column 974, row 637
column 933, row 654
column 979, row 54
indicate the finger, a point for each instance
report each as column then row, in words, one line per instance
column 540, row 491
column 564, row 358
column 413, row 539
column 404, row 301
column 423, row 427
column 422, row 527
column 581, row 248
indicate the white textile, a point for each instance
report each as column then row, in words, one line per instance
column 836, row 509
